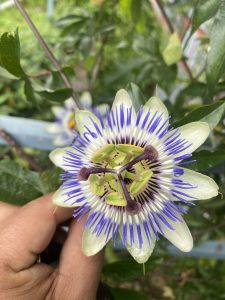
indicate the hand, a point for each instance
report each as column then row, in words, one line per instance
column 25, row 232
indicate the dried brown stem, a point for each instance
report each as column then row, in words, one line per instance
column 47, row 50
column 19, row 150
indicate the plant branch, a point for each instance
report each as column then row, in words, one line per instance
column 47, row 50
column 19, row 150
column 186, row 28
column 172, row 30
column 41, row 74
column 166, row 18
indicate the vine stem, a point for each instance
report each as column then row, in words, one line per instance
column 19, row 150
column 41, row 74
column 47, row 50
column 172, row 30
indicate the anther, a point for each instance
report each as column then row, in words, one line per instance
column 149, row 153
column 84, row 172
column 133, row 207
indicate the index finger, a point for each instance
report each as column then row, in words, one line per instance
column 28, row 232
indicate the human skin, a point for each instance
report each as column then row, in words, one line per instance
column 25, row 232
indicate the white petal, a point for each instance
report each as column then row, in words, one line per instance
column 60, row 199
column 86, row 100
column 180, row 236
column 63, row 158
column 70, row 104
column 84, row 120
column 122, row 97
column 123, row 100
column 140, row 254
column 56, row 156
column 54, row 128
column 92, row 244
column 62, row 141
column 206, row 187
column 156, row 105
column 195, row 133
column 102, row 109
column 58, row 111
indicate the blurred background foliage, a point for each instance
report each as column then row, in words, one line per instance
column 173, row 48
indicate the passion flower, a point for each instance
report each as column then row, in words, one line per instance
column 126, row 175
column 64, row 126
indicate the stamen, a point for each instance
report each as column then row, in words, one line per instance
column 149, row 153
column 84, row 172
column 133, row 207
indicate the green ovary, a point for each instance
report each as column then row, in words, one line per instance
column 107, row 185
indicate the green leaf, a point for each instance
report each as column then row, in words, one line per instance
column 136, row 95
column 10, row 53
column 29, row 91
column 123, row 71
column 57, row 95
column 18, row 185
column 206, row 159
column 79, row 14
column 122, row 294
column 172, row 52
column 128, row 269
column 216, row 56
column 5, row 74
column 50, row 180
column 204, row 10
column 73, row 23
column 210, row 114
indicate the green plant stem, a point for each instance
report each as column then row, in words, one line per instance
column 47, row 50
column 172, row 30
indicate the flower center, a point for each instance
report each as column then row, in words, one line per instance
column 121, row 173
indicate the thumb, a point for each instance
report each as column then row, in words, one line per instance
column 78, row 273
